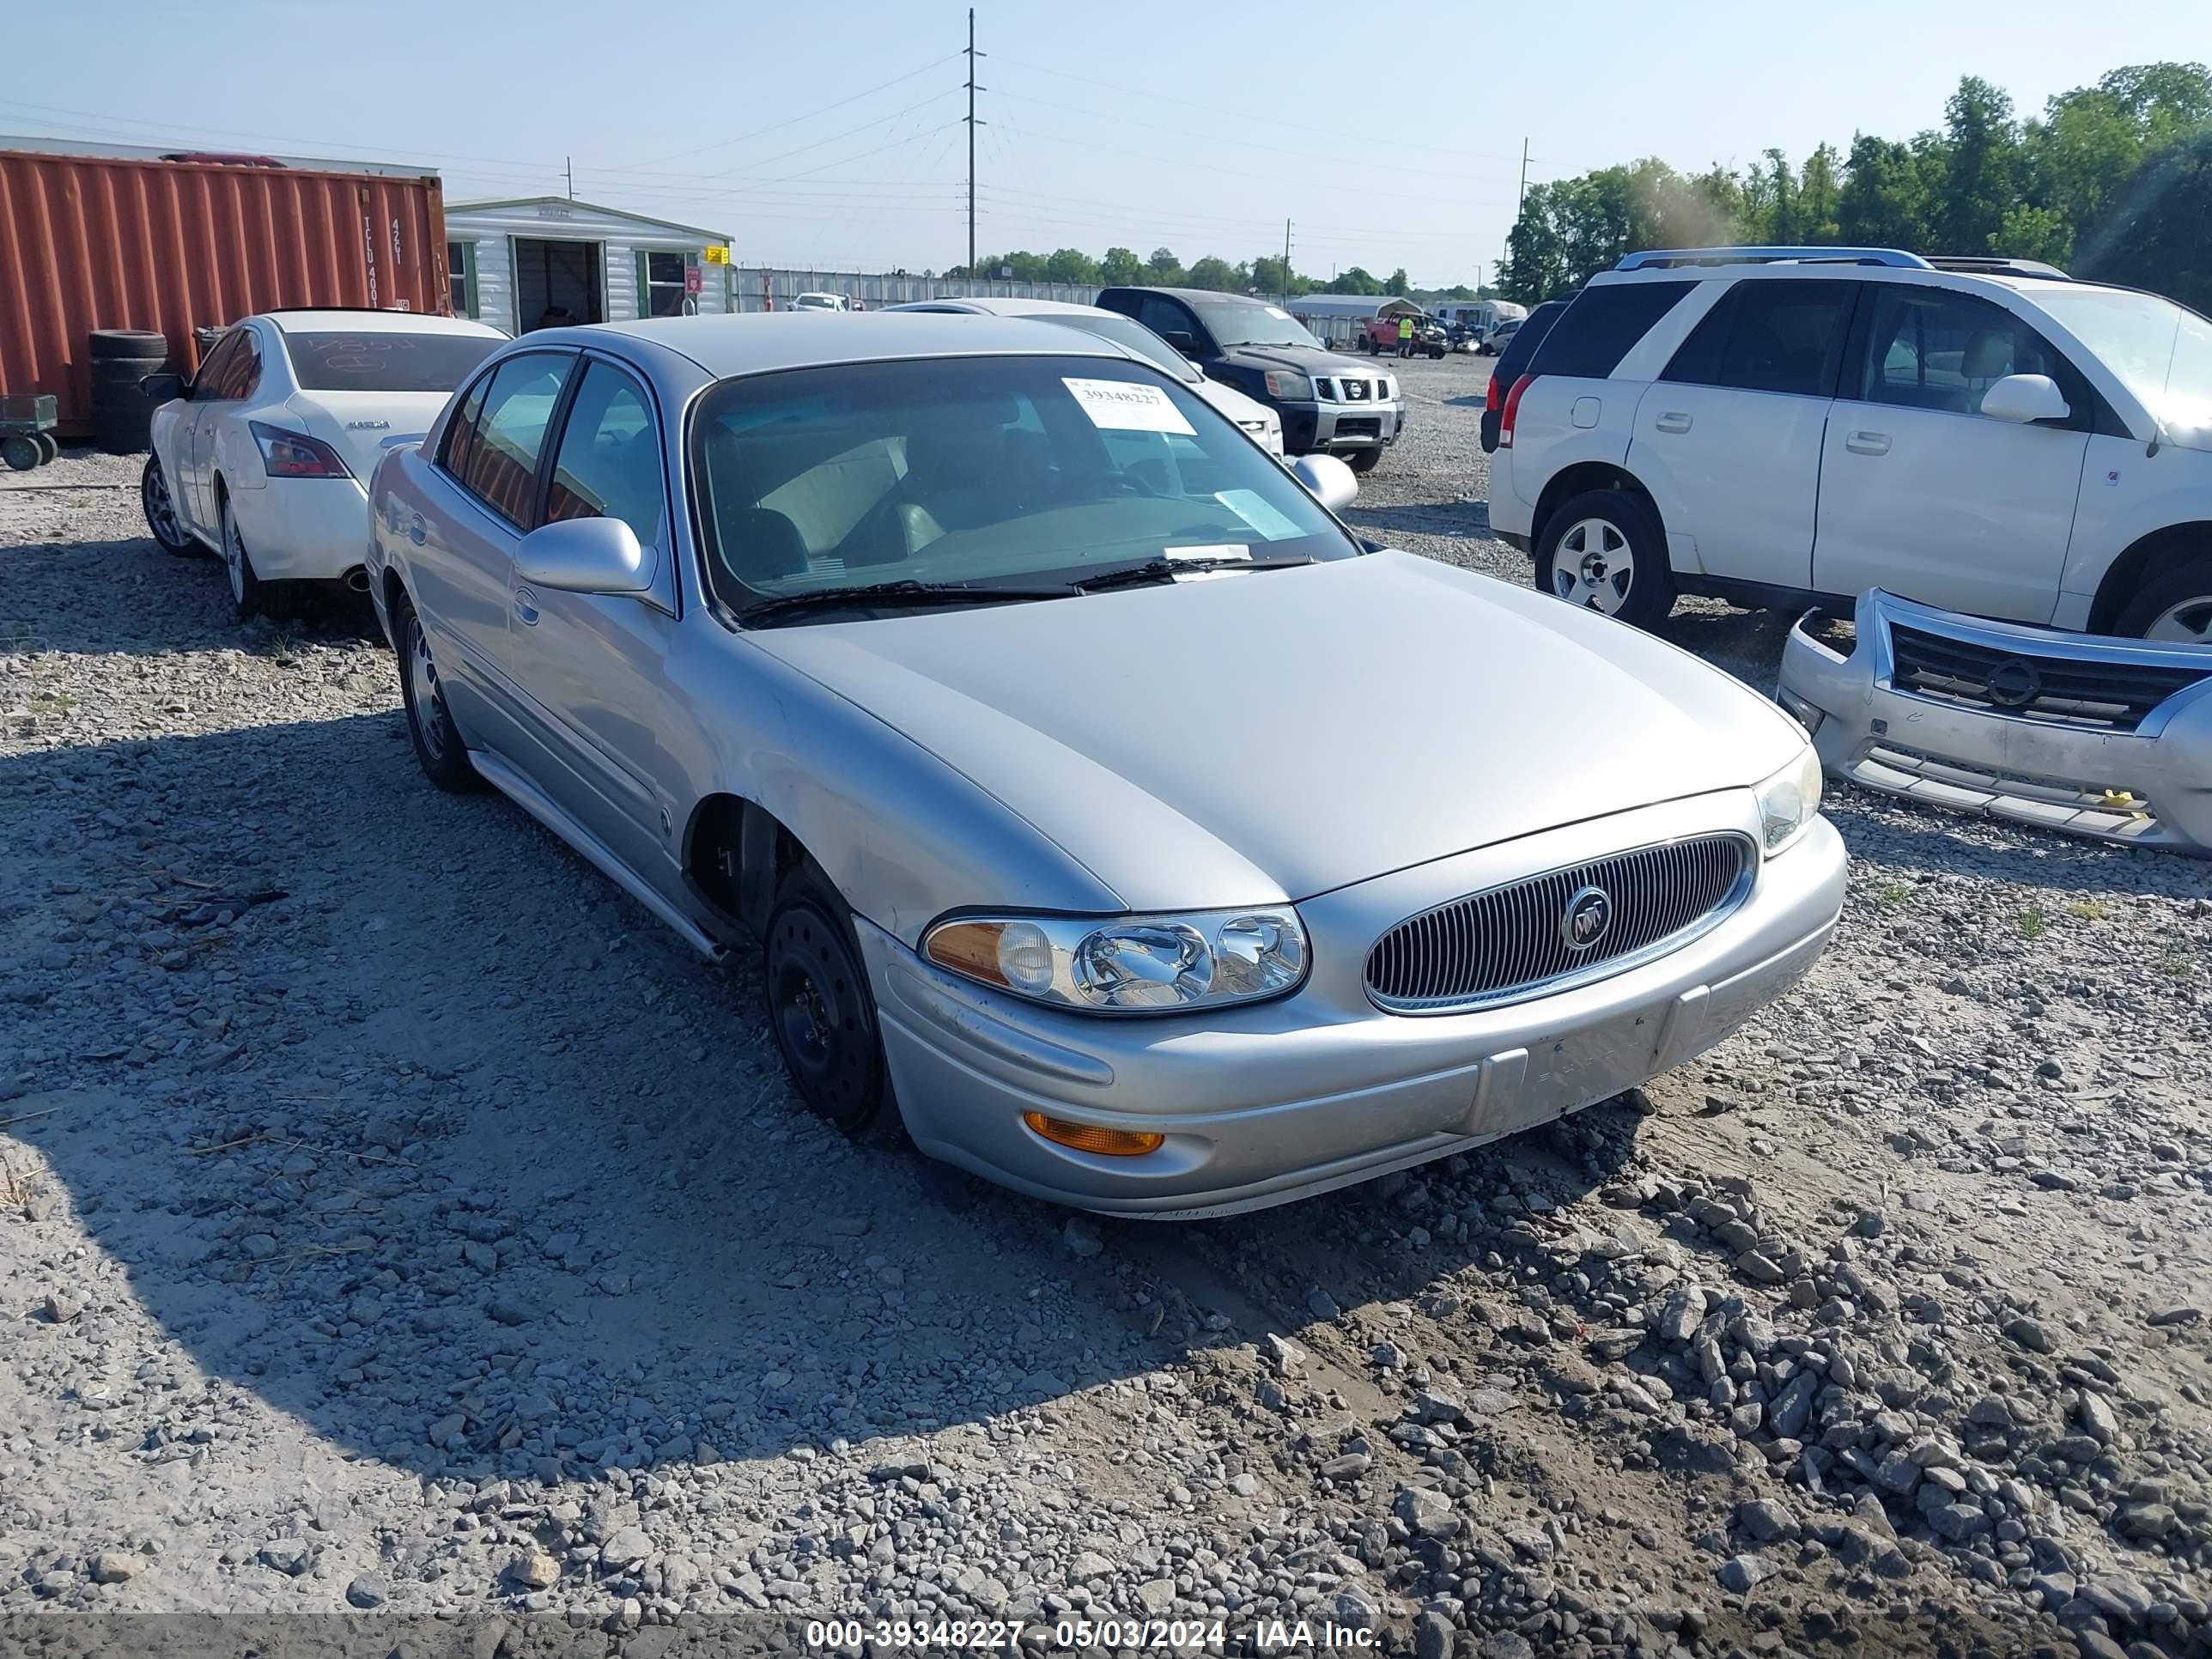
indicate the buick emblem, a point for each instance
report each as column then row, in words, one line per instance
column 1588, row 915
column 2013, row 683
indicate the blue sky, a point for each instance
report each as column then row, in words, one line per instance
column 828, row 133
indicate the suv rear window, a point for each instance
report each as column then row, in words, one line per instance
column 1594, row 332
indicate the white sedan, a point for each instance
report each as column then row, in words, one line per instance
column 1252, row 417
column 265, row 455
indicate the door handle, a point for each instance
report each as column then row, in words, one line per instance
column 1674, row 421
column 1867, row 443
column 526, row 606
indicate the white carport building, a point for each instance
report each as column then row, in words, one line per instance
column 511, row 262
column 1338, row 319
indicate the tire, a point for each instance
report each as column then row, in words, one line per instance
column 249, row 594
column 1364, row 460
column 2176, row 604
column 823, row 1013
column 160, row 509
column 51, row 448
column 136, row 343
column 21, row 451
column 439, row 747
column 1606, row 549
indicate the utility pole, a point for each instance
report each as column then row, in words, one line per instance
column 570, row 163
column 1287, row 264
column 1522, row 199
column 972, row 124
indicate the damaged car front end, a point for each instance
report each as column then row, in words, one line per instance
column 2079, row 732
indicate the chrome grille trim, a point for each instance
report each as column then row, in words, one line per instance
column 1503, row 943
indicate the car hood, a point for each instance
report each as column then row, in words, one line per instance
column 1244, row 739
column 1304, row 358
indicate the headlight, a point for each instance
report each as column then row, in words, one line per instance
column 1789, row 800
column 1288, row 386
column 1129, row 964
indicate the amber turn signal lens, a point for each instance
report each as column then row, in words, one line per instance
column 970, row 948
column 1112, row 1143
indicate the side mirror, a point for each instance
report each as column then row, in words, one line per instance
column 1327, row 480
column 1182, row 340
column 583, row 555
column 162, row 388
column 2024, row 398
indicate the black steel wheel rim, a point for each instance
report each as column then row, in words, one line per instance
column 817, row 1002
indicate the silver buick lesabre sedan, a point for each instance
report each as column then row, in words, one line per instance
column 1110, row 818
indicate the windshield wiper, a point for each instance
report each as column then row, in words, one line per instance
column 1161, row 570
column 900, row 593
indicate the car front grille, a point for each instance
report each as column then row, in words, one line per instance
column 1355, row 392
column 2105, row 696
column 1365, row 426
column 1513, row 941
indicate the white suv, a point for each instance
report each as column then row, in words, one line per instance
column 1785, row 425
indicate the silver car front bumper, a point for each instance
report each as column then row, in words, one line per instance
column 1278, row 1100
column 2078, row 733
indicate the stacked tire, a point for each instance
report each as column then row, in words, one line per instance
column 123, row 415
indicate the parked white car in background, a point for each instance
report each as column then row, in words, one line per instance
column 1776, row 426
column 821, row 302
column 264, row 456
column 1252, row 416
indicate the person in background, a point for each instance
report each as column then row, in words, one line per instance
column 1406, row 335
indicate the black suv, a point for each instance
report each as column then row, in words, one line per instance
column 1328, row 403
column 1512, row 363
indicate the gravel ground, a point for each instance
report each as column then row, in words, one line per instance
column 393, row 1216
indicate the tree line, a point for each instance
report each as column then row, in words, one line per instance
column 1120, row 266
column 2112, row 181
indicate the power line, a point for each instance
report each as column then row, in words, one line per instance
column 1184, row 132
column 759, row 132
column 1183, row 102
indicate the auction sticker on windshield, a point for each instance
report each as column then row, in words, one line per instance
column 1128, row 406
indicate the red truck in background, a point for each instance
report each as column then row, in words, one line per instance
column 1380, row 337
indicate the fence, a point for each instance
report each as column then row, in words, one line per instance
column 754, row 288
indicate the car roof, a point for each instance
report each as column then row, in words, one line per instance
column 365, row 321
column 754, row 342
column 991, row 305
column 1843, row 271
column 1199, row 296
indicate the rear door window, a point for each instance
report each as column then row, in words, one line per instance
column 1596, row 330
column 1780, row 336
column 502, row 468
column 218, row 370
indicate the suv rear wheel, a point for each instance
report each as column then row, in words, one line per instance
column 1605, row 551
column 2176, row 605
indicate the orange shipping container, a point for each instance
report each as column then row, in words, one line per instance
column 90, row 242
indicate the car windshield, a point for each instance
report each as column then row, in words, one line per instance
column 380, row 360
column 1035, row 472
column 1127, row 332
column 2162, row 352
column 1254, row 325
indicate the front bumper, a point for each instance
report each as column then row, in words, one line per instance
column 1278, row 1100
column 1313, row 428
column 2146, row 782
column 303, row 529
